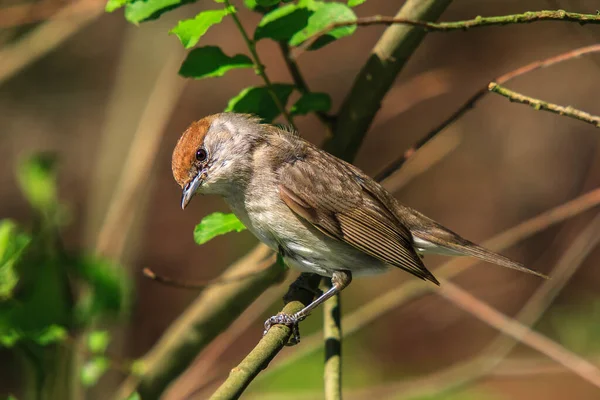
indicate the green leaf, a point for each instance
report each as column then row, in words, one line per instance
column 37, row 179
column 283, row 23
column 97, row 341
column 137, row 11
column 311, row 102
column 51, row 334
column 210, row 61
column 93, row 370
column 258, row 101
column 12, row 245
column 216, row 224
column 112, row 5
column 354, row 3
column 110, row 288
column 324, row 16
column 190, row 31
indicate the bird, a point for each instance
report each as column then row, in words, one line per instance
column 320, row 213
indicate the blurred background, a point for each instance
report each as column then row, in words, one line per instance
column 110, row 85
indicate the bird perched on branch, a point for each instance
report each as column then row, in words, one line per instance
column 320, row 213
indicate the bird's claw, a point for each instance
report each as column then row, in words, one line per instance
column 287, row 320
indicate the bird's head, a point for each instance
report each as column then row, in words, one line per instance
column 215, row 154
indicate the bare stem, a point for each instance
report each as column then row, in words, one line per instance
column 332, row 334
column 537, row 104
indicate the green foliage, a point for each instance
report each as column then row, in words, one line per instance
column 12, row 244
column 311, row 102
column 137, row 11
column 326, row 14
column 37, row 179
column 93, row 370
column 295, row 23
column 210, row 61
column 109, row 288
column 97, row 341
column 44, row 337
column 190, row 31
column 354, row 3
column 216, row 224
column 258, row 100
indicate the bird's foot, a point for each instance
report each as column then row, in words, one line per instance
column 287, row 320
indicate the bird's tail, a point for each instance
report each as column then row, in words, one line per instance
column 451, row 241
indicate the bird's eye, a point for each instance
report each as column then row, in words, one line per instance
column 201, row 155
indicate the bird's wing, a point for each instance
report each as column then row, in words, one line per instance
column 331, row 195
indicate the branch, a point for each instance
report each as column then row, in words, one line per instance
column 525, row 18
column 270, row 344
column 412, row 289
column 260, row 68
column 332, row 334
column 470, row 103
column 536, row 104
column 520, row 332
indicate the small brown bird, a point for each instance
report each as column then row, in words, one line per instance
column 320, row 213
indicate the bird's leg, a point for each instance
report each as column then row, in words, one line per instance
column 339, row 280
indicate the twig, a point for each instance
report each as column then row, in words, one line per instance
column 66, row 22
column 520, row 332
column 300, row 82
column 196, row 285
column 332, row 334
column 412, row 289
column 470, row 103
column 260, row 68
column 537, row 104
column 31, row 12
column 211, row 313
column 270, row 344
column 387, row 59
column 525, row 18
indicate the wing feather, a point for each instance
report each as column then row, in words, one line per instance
column 331, row 195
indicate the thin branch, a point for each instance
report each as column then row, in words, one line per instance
column 524, row 18
column 196, row 285
column 537, row 104
column 520, row 332
column 470, row 103
column 271, row 343
column 332, row 334
column 43, row 39
column 412, row 289
column 260, row 68
column 300, row 82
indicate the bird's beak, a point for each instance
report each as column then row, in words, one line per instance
column 190, row 189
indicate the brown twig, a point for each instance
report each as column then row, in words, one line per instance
column 29, row 13
column 537, row 104
column 524, row 18
column 195, row 284
column 520, row 332
column 470, row 103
